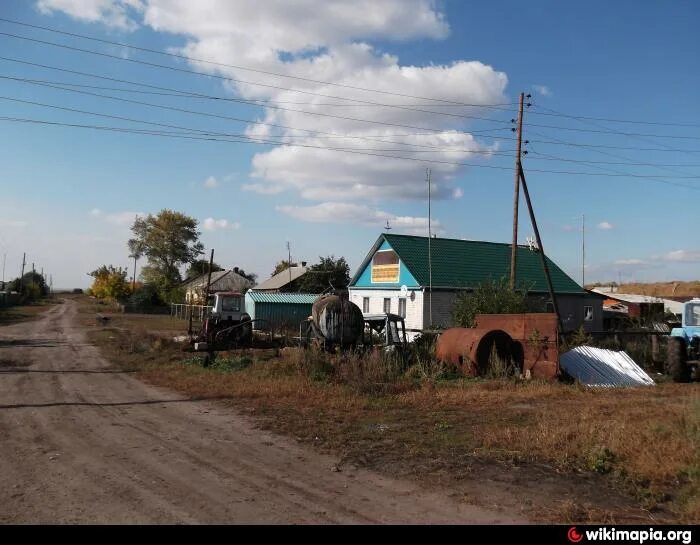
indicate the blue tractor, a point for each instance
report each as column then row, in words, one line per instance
column 683, row 349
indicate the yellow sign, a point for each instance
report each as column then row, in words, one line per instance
column 385, row 273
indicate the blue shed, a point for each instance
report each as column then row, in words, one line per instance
column 279, row 309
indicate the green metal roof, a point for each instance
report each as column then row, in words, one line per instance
column 269, row 297
column 466, row 263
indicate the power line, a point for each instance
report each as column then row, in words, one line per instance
column 550, row 158
column 235, row 80
column 607, row 146
column 242, row 120
column 358, row 152
column 269, row 73
column 554, row 113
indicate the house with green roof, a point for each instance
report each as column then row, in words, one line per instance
column 397, row 274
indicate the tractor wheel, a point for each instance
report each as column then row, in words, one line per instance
column 677, row 360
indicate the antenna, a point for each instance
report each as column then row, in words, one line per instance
column 387, row 227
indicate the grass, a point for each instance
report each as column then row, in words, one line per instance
column 26, row 312
column 418, row 420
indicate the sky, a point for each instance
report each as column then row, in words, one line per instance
column 314, row 122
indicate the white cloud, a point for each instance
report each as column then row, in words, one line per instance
column 211, row 182
column 328, row 41
column 542, row 90
column 338, row 212
column 13, row 223
column 95, row 212
column 457, row 193
column 122, row 218
column 605, row 226
column 687, row 256
column 630, row 262
column 113, row 13
column 211, row 224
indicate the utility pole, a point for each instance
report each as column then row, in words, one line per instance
column 133, row 278
column 289, row 264
column 430, row 255
column 543, row 257
column 583, row 251
column 211, row 264
column 21, row 276
column 33, row 279
column 4, row 258
column 516, row 195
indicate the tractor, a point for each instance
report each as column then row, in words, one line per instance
column 227, row 326
column 683, row 349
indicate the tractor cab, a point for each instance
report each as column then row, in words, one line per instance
column 390, row 328
column 683, row 346
column 227, row 305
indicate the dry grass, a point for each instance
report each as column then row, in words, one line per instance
column 663, row 289
column 23, row 313
column 415, row 423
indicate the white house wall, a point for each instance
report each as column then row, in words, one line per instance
column 414, row 305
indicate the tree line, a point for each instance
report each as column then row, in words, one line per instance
column 169, row 241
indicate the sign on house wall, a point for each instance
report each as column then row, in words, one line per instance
column 385, row 267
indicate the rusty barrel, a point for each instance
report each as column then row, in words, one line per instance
column 339, row 320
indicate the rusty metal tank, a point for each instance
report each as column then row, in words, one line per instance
column 338, row 320
column 529, row 340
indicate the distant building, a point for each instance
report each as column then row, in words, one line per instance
column 395, row 277
column 285, row 281
column 229, row 280
column 640, row 307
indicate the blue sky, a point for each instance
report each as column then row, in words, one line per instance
column 69, row 194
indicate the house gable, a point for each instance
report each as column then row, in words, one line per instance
column 384, row 269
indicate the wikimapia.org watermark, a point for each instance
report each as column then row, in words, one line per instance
column 637, row 536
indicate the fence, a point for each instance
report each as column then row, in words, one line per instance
column 181, row 311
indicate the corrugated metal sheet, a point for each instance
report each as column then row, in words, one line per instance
column 294, row 298
column 599, row 367
column 278, row 309
column 283, row 278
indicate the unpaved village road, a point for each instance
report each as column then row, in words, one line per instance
column 81, row 441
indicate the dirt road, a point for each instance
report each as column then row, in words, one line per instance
column 83, row 442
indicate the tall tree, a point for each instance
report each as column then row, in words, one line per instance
column 200, row 267
column 169, row 240
column 328, row 273
column 110, row 283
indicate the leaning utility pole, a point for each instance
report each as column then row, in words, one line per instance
column 543, row 257
column 211, row 264
column 516, row 195
column 289, row 264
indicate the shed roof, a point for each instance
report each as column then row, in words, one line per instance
column 220, row 280
column 293, row 298
column 466, row 263
column 281, row 279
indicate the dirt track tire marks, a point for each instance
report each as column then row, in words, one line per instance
column 84, row 442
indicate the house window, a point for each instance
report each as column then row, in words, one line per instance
column 365, row 305
column 402, row 307
column 387, row 305
column 587, row 314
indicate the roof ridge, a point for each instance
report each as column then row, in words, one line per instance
column 455, row 239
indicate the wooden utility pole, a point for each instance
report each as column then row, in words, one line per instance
column 543, row 257
column 430, row 257
column 211, row 264
column 516, row 195
column 33, row 279
column 289, row 264
column 21, row 276
column 583, row 251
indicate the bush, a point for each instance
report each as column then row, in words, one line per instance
column 491, row 297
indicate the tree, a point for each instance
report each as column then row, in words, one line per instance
column 32, row 285
column 169, row 240
column 200, row 267
column 327, row 273
column 490, row 297
column 280, row 266
column 110, row 283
